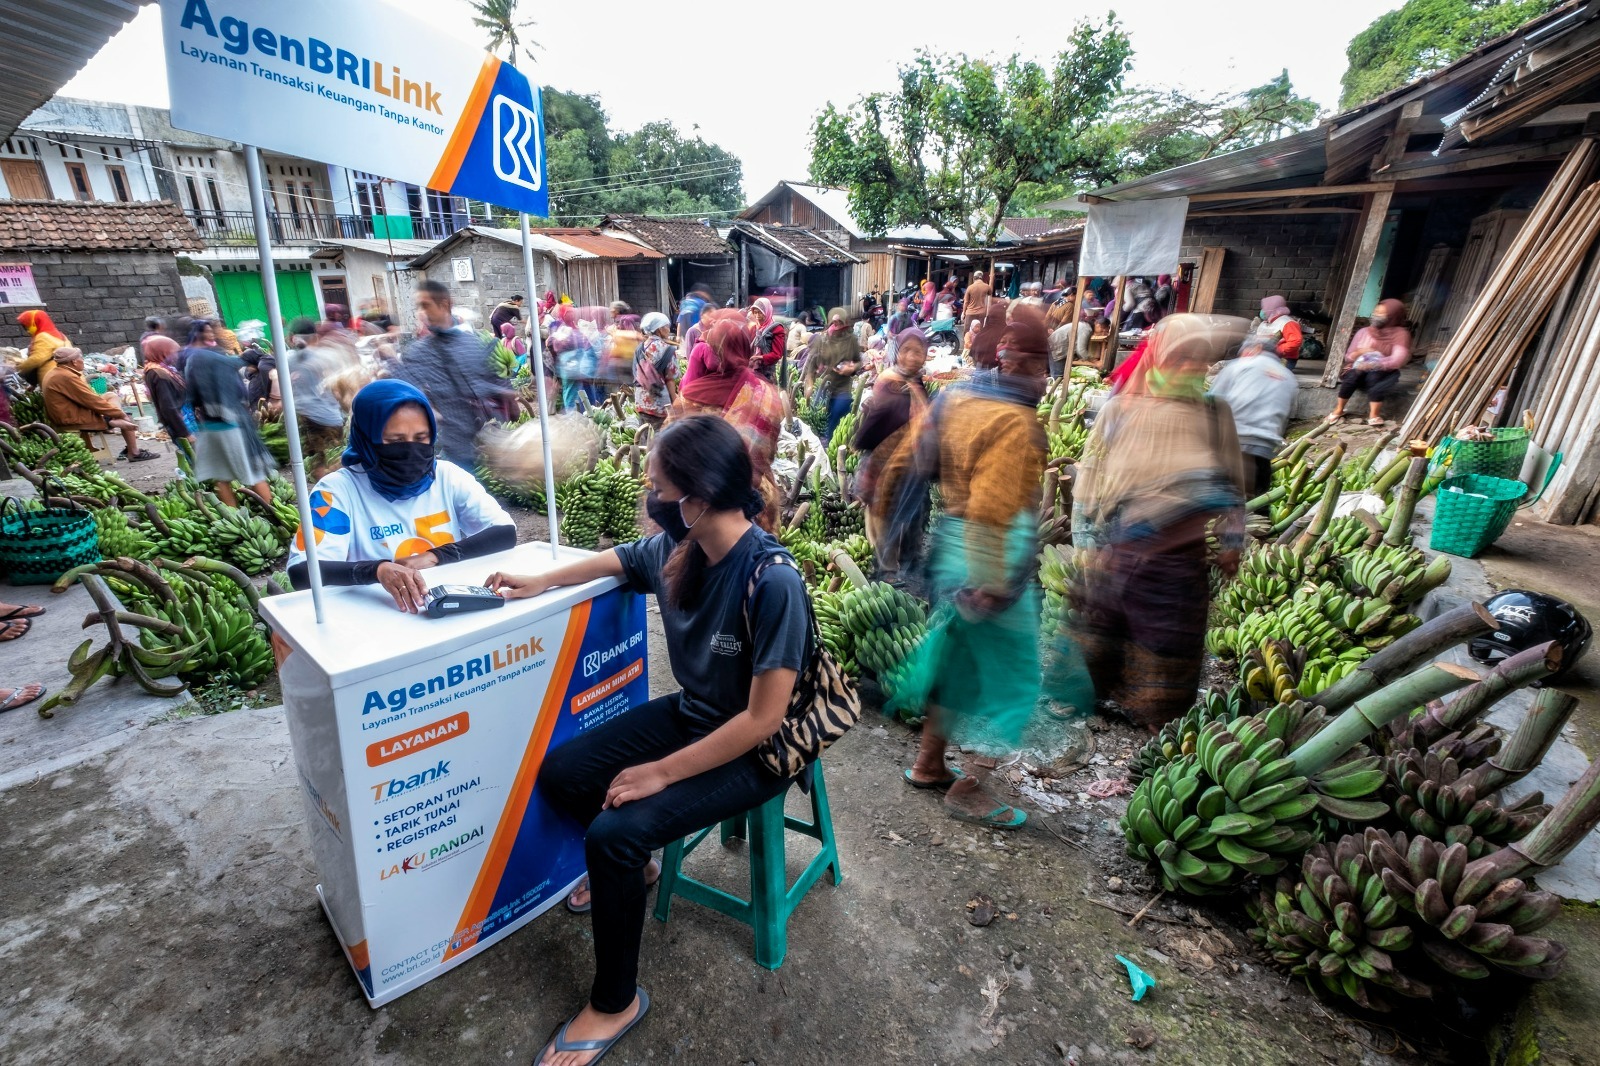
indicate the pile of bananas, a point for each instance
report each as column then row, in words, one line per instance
column 1239, row 806
column 582, row 501
column 217, row 620
column 186, row 536
column 1321, row 620
column 885, row 623
column 1337, row 927
column 1276, row 671
column 89, row 482
column 119, row 537
column 276, row 438
column 839, row 641
column 857, row 547
column 1179, row 736
column 622, row 491
column 1297, row 485
column 249, row 541
column 1060, row 570
column 37, row 446
column 1266, row 576
column 1397, row 574
column 1448, row 793
column 28, row 409
column 529, row 496
column 804, row 549
column 1068, row 438
column 1349, row 532
column 844, row 432
column 841, row 518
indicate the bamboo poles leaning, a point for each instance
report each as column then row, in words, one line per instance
column 1554, row 241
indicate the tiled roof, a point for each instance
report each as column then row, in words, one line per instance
column 73, row 226
column 671, row 236
column 1037, row 227
column 803, row 246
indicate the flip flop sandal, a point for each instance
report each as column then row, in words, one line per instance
column 995, row 819
column 558, row 1040
column 955, row 775
column 1376, row 423
column 14, row 630
column 1334, row 419
column 12, row 701
column 585, row 908
column 27, row 610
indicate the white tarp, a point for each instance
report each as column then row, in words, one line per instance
column 1133, row 239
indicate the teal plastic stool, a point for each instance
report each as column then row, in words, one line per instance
column 771, row 900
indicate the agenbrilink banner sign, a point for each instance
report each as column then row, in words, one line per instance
column 359, row 85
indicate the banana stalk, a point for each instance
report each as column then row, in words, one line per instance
column 1391, row 475
column 1527, row 746
column 1378, row 710
column 1427, row 640
column 847, row 566
column 1266, row 499
column 1406, row 506
column 1512, row 672
column 1324, row 514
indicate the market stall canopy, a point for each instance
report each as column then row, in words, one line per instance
column 399, row 248
column 47, row 43
column 802, row 246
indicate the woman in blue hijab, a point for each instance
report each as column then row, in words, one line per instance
column 394, row 509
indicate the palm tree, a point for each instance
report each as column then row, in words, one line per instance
column 499, row 18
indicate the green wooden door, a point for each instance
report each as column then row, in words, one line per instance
column 239, row 297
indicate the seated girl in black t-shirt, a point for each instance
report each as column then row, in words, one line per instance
column 686, row 760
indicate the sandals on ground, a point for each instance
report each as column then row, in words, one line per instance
column 585, row 908
column 20, row 697
column 940, row 785
column 15, row 629
column 1002, row 817
column 558, row 1040
column 26, row 610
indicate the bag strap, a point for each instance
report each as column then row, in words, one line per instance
column 777, row 558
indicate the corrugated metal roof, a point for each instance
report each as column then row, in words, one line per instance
column 541, row 244
column 400, row 248
column 600, row 246
column 1281, row 162
column 799, row 245
column 49, row 41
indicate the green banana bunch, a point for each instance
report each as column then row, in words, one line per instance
column 835, row 637
column 621, row 491
column 120, row 538
column 1234, row 808
column 276, row 438
column 1398, row 575
column 1347, row 534
column 1338, row 928
column 185, row 537
column 582, row 503
column 227, row 641
column 28, row 409
column 1178, row 737
column 878, row 605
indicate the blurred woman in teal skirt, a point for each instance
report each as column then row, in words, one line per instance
column 976, row 676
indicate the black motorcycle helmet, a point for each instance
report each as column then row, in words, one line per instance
column 1528, row 619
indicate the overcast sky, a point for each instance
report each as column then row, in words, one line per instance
column 752, row 76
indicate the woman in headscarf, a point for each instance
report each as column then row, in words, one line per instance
column 46, row 339
column 902, row 319
column 227, row 447
column 976, row 675
column 229, row 341
column 201, row 335
column 767, row 338
column 834, row 361
column 655, row 370
column 984, row 348
column 391, row 480
column 1063, row 333
column 1372, row 362
column 748, row 402
column 890, row 422
column 1165, row 296
column 927, row 300
column 566, row 346
column 167, row 389
column 1160, row 469
column 1278, row 330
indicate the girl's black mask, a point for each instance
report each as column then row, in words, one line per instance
column 667, row 515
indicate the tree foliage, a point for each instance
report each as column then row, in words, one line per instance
column 654, row 169
column 953, row 144
column 1425, row 35
column 498, row 18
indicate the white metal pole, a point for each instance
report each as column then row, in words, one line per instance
column 536, row 363
column 269, row 288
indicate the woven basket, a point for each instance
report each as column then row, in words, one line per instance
column 36, row 547
column 1501, row 457
column 1471, row 511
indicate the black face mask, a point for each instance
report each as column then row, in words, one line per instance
column 667, row 515
column 404, row 463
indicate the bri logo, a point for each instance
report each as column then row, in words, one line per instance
column 399, row 786
column 515, row 128
column 595, row 660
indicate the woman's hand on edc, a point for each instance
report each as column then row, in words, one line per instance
column 406, row 585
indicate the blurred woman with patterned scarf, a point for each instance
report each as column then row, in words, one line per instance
column 42, row 348
column 1161, row 469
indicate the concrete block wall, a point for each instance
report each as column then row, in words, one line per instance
column 99, row 299
column 717, row 278
column 497, row 274
column 636, row 287
column 1287, row 254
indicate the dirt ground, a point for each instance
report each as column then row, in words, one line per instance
column 160, row 908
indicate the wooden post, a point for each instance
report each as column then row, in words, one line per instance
column 1108, row 362
column 1377, row 209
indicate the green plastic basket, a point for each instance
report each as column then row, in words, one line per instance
column 38, row 546
column 1501, row 457
column 1471, row 511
